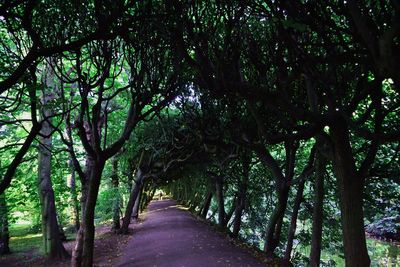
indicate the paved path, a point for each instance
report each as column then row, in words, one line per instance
column 172, row 237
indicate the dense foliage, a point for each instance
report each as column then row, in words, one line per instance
column 276, row 120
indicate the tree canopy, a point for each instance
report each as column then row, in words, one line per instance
column 276, row 120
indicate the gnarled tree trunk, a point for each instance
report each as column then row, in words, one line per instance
column 83, row 252
column 231, row 211
column 350, row 189
column 307, row 171
column 316, row 237
column 240, row 204
column 89, row 163
column 293, row 221
column 219, row 192
column 282, row 185
column 138, row 183
column 136, row 207
column 72, row 186
column 53, row 246
column 276, row 219
column 149, row 196
column 241, row 197
column 206, row 205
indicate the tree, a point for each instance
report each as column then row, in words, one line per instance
column 218, row 103
column 50, row 227
column 144, row 83
column 4, row 234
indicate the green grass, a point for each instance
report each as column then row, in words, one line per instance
column 22, row 238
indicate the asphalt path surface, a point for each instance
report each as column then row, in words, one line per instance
column 170, row 236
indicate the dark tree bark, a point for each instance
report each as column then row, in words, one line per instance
column 231, row 211
column 320, row 168
column 241, row 197
column 72, row 186
column 350, row 188
column 53, row 246
column 89, row 163
column 318, row 209
column 83, row 252
column 138, row 202
column 206, row 205
column 275, row 222
column 116, row 201
column 307, row 171
column 4, row 234
column 144, row 199
column 89, row 213
column 282, row 185
column 240, row 204
column 147, row 199
column 293, row 221
column 138, row 183
column 219, row 193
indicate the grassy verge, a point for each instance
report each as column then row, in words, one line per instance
column 23, row 238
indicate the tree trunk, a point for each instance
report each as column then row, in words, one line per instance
column 275, row 222
column 89, row 165
column 316, row 237
column 229, row 214
column 135, row 212
column 148, row 197
column 53, row 246
column 4, row 234
column 282, row 186
column 237, row 220
column 350, row 189
column 293, row 221
column 116, row 201
column 219, row 192
column 83, row 251
column 132, row 199
column 241, row 198
column 206, row 205
column 72, row 186
column 144, row 198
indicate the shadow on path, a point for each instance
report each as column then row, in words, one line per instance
column 171, row 236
